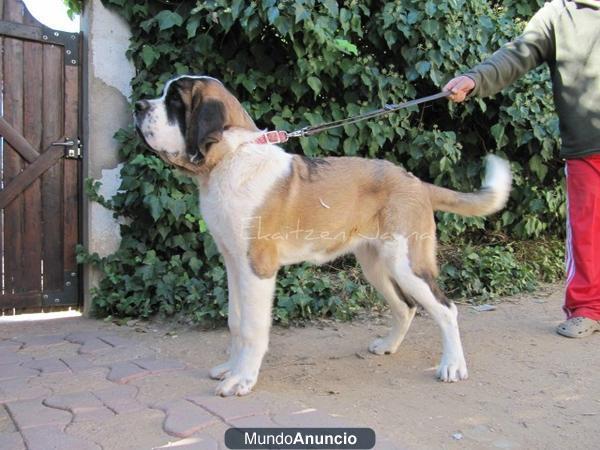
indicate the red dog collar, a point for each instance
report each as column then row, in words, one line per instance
column 272, row 137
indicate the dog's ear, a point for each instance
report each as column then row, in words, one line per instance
column 207, row 122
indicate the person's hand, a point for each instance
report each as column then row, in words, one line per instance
column 459, row 88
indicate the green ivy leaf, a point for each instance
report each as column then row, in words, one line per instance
column 155, row 207
column 192, row 27
column 168, row 19
column 149, row 55
column 346, row 46
column 423, row 67
column 301, row 13
column 273, row 14
column 315, row 84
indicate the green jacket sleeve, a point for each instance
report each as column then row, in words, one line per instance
column 532, row 48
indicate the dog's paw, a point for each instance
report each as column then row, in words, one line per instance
column 221, row 371
column 452, row 370
column 235, row 385
column 382, row 346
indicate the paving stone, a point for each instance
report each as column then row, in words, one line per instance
column 125, row 372
column 232, row 407
column 113, row 355
column 32, row 413
column 89, row 380
column 159, row 365
column 77, row 363
column 94, row 346
column 10, row 357
column 89, row 340
column 53, row 438
column 6, row 423
column 138, row 431
column 20, row 389
column 254, row 422
column 53, row 351
column 81, row 337
column 93, row 415
column 72, row 402
column 308, row 418
column 176, row 385
column 184, row 418
column 9, row 345
column 83, row 405
column 196, row 442
column 9, row 371
column 120, row 398
column 47, row 365
column 11, row 441
column 42, row 341
column 116, row 341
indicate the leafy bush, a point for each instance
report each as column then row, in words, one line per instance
column 73, row 7
column 299, row 62
column 482, row 272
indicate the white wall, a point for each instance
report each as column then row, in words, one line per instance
column 106, row 78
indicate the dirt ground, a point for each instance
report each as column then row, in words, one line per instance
column 528, row 388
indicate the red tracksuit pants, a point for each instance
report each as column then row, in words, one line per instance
column 582, row 296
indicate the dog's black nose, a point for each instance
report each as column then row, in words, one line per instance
column 141, row 105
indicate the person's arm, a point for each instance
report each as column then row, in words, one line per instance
column 532, row 48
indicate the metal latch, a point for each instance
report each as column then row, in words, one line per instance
column 72, row 148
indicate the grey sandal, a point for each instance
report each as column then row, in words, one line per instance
column 578, row 327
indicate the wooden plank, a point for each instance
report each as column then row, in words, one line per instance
column 52, row 180
column 20, row 31
column 2, row 160
column 13, row 113
column 71, row 170
column 13, row 213
column 28, row 18
column 17, row 141
column 22, row 181
column 21, row 300
column 13, row 11
column 32, row 196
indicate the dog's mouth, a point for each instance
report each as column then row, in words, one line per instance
column 143, row 138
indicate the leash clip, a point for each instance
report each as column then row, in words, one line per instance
column 298, row 133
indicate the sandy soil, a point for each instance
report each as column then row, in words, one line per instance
column 528, row 388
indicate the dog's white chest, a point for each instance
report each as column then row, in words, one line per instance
column 237, row 187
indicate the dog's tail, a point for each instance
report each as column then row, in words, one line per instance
column 490, row 198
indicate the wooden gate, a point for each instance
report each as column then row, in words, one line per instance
column 39, row 160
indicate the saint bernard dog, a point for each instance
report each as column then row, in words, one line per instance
column 267, row 208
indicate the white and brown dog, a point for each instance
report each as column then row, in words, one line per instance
column 266, row 208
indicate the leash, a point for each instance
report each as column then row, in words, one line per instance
column 280, row 136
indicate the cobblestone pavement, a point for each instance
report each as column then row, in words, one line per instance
column 95, row 389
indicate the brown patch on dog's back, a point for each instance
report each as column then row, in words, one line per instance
column 331, row 203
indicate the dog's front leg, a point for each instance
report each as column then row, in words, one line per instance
column 255, row 308
column 222, row 371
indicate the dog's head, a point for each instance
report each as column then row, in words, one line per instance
column 189, row 118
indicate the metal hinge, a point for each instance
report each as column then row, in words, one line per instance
column 70, row 42
column 69, row 294
column 72, row 148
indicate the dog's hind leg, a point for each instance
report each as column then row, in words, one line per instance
column 423, row 290
column 403, row 308
column 255, row 322
column 222, row 371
